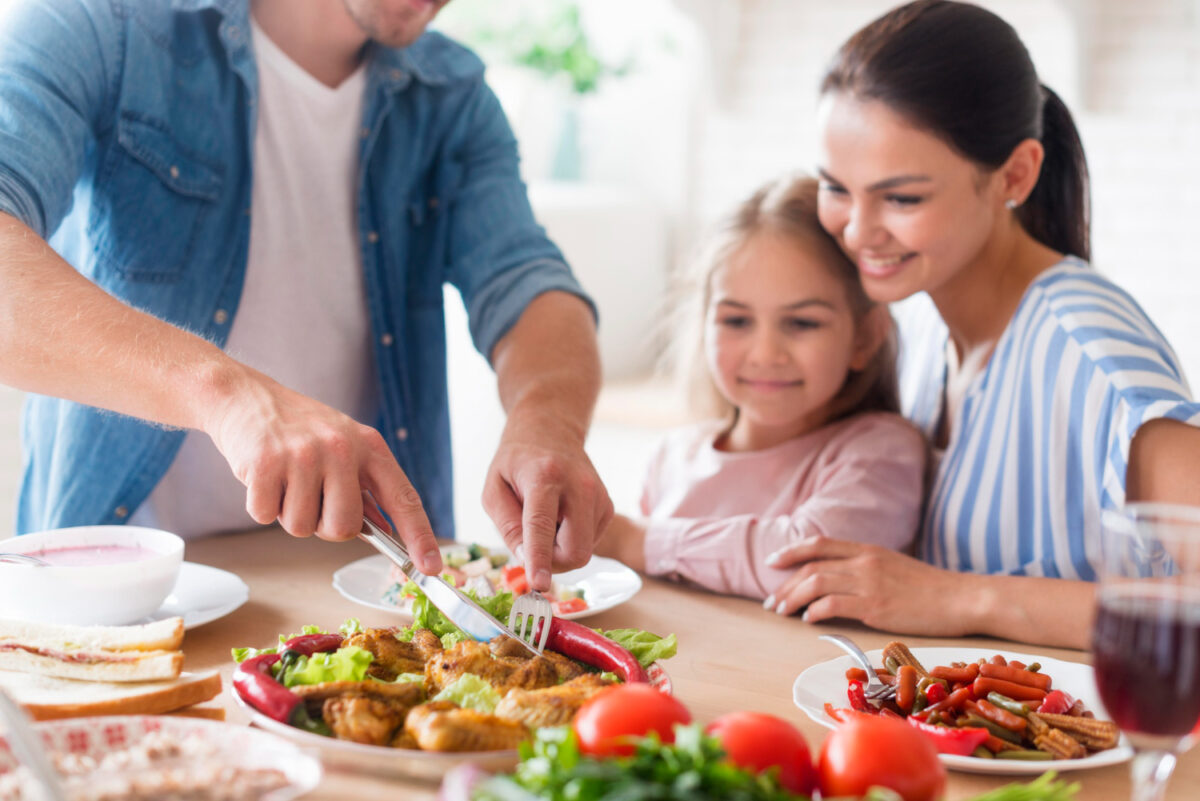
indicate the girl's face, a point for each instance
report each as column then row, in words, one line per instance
column 908, row 209
column 779, row 338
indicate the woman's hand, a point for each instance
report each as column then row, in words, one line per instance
column 882, row 588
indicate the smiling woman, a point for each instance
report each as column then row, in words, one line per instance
column 958, row 182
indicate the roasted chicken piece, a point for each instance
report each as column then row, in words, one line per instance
column 406, row 693
column 503, row 673
column 362, row 719
column 565, row 667
column 552, row 706
column 392, row 656
column 444, row 726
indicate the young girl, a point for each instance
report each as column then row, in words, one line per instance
column 799, row 367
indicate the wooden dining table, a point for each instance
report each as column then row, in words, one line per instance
column 733, row 654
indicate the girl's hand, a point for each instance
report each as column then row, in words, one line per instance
column 882, row 588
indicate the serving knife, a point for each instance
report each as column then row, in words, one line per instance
column 469, row 616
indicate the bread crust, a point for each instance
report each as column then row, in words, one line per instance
column 151, row 698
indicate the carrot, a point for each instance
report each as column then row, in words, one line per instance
column 999, row 660
column 1017, row 676
column 856, row 674
column 954, row 700
column 1001, row 717
column 965, row 674
column 906, row 687
column 1018, row 692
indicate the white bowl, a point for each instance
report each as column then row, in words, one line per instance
column 93, row 594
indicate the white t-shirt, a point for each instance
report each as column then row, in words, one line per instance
column 303, row 314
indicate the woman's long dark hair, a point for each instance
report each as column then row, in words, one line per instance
column 962, row 73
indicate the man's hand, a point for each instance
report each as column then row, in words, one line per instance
column 545, row 496
column 311, row 467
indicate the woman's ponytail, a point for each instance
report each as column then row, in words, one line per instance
column 1058, row 211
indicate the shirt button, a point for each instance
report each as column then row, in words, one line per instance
column 664, row 565
column 174, row 171
column 386, row 339
column 402, row 434
column 433, row 202
column 220, row 317
column 372, row 237
column 364, row 133
column 121, row 511
column 395, row 75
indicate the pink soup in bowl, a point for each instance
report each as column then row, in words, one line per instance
column 96, row 575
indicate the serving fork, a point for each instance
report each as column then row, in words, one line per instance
column 530, row 618
column 876, row 691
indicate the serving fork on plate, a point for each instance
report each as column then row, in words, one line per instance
column 530, row 618
column 876, row 692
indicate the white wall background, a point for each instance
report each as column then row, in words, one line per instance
column 729, row 104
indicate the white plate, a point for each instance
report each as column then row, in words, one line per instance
column 605, row 584
column 239, row 746
column 201, row 595
column 402, row 762
column 826, row 682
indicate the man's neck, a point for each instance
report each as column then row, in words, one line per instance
column 319, row 35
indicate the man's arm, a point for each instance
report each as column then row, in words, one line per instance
column 303, row 463
column 541, row 480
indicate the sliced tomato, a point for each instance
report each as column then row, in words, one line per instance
column 514, row 580
column 569, row 605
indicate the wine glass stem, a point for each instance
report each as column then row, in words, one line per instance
column 1150, row 771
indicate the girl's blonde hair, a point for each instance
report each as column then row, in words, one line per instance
column 788, row 207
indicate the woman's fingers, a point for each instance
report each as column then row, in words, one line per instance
column 814, row 547
column 814, row 580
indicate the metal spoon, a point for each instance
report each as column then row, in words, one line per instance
column 23, row 559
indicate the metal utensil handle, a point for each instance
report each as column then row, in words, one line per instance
column 387, row 543
column 849, row 646
column 28, row 749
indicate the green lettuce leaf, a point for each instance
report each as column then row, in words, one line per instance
column 426, row 615
column 470, row 692
column 645, row 646
column 348, row 663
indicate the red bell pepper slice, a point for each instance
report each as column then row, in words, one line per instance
column 1056, row 702
column 858, row 699
column 960, row 742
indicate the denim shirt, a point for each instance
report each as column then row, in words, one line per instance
column 126, row 136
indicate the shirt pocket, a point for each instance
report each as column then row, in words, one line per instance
column 150, row 201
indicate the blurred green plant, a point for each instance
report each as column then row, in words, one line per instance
column 552, row 42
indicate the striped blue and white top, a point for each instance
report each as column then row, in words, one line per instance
column 1042, row 439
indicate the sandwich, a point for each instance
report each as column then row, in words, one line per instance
column 147, row 652
column 49, row 697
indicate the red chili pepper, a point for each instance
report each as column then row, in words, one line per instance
column 579, row 642
column 1056, row 702
column 254, row 683
column 309, row 644
column 858, row 700
column 843, row 714
column 961, row 742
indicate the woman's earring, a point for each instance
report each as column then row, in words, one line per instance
column 1010, row 204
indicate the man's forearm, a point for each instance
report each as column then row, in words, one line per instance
column 61, row 335
column 549, row 364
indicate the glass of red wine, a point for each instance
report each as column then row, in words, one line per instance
column 1146, row 635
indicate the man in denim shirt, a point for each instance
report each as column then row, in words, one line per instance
column 130, row 133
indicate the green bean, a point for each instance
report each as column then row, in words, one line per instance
column 1034, row 667
column 919, row 703
column 1009, row 704
column 1033, row 756
column 982, row 753
column 994, row 728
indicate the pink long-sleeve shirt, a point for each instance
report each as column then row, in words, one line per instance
column 714, row 516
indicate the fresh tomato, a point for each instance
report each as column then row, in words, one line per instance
column 756, row 742
column 608, row 720
column 867, row 751
column 514, row 579
column 569, row 605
